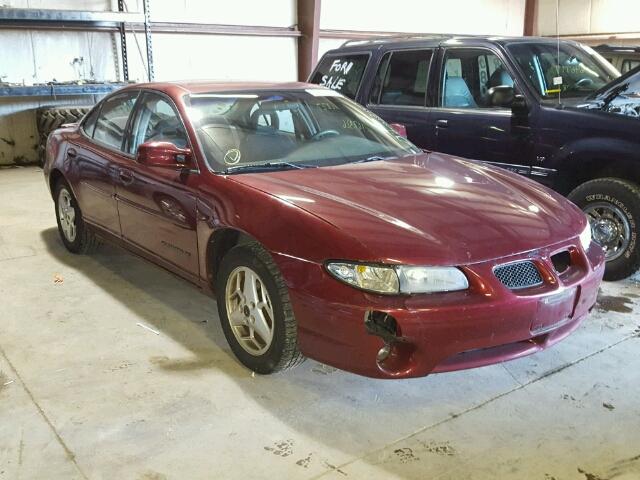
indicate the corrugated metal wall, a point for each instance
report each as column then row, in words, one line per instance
column 29, row 57
column 492, row 17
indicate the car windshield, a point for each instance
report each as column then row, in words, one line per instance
column 252, row 131
column 562, row 71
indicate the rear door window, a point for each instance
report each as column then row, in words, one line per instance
column 341, row 72
column 90, row 121
column 405, row 78
column 112, row 122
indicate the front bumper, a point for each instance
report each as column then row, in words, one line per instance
column 486, row 324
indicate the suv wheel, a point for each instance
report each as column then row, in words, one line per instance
column 255, row 311
column 613, row 208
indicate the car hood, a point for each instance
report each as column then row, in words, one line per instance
column 430, row 209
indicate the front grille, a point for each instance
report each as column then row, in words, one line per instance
column 518, row 275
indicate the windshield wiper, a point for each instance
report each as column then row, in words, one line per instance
column 374, row 158
column 615, row 91
column 257, row 167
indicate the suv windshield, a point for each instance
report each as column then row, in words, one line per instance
column 564, row 70
column 241, row 131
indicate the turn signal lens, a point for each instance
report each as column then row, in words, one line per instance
column 367, row 277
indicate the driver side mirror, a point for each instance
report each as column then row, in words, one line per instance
column 519, row 105
column 501, row 96
column 164, row 155
column 505, row 96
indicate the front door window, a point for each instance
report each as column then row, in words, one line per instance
column 469, row 79
column 156, row 121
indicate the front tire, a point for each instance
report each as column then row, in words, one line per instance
column 255, row 311
column 75, row 235
column 613, row 208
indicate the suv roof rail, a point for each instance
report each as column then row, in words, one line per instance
column 616, row 48
column 377, row 37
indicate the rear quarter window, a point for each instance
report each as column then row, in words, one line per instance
column 341, row 73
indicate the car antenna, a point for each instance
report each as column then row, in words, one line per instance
column 558, row 47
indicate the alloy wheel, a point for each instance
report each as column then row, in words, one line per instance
column 249, row 310
column 67, row 215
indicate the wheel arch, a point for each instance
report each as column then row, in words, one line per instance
column 54, row 177
column 220, row 242
column 581, row 168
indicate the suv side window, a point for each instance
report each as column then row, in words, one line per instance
column 468, row 75
column 378, row 80
column 341, row 72
column 629, row 65
column 405, row 77
column 156, row 120
column 112, row 121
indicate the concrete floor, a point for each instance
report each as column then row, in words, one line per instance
column 87, row 391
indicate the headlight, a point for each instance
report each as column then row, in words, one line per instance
column 585, row 237
column 431, row 279
column 399, row 279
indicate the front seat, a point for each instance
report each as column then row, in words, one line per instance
column 457, row 93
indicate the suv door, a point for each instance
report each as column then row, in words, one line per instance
column 157, row 205
column 399, row 92
column 471, row 120
column 97, row 154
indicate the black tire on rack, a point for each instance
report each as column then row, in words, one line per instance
column 50, row 118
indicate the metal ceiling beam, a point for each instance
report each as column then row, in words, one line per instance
column 26, row 15
column 309, row 25
column 58, row 90
column 219, row 29
column 162, row 27
column 530, row 13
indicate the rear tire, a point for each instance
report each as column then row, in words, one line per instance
column 260, row 327
column 75, row 235
column 613, row 208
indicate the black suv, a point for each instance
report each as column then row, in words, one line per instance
column 526, row 104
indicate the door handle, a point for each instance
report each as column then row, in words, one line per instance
column 71, row 153
column 126, row 177
column 442, row 123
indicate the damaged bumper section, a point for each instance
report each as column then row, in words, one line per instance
column 412, row 336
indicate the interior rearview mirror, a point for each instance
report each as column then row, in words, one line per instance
column 164, row 154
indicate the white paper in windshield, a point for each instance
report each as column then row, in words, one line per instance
column 322, row 92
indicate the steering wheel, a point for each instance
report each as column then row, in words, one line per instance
column 324, row 133
column 584, row 82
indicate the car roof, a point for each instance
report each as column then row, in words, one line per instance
column 218, row 86
column 435, row 40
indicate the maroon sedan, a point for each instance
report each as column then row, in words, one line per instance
column 322, row 231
